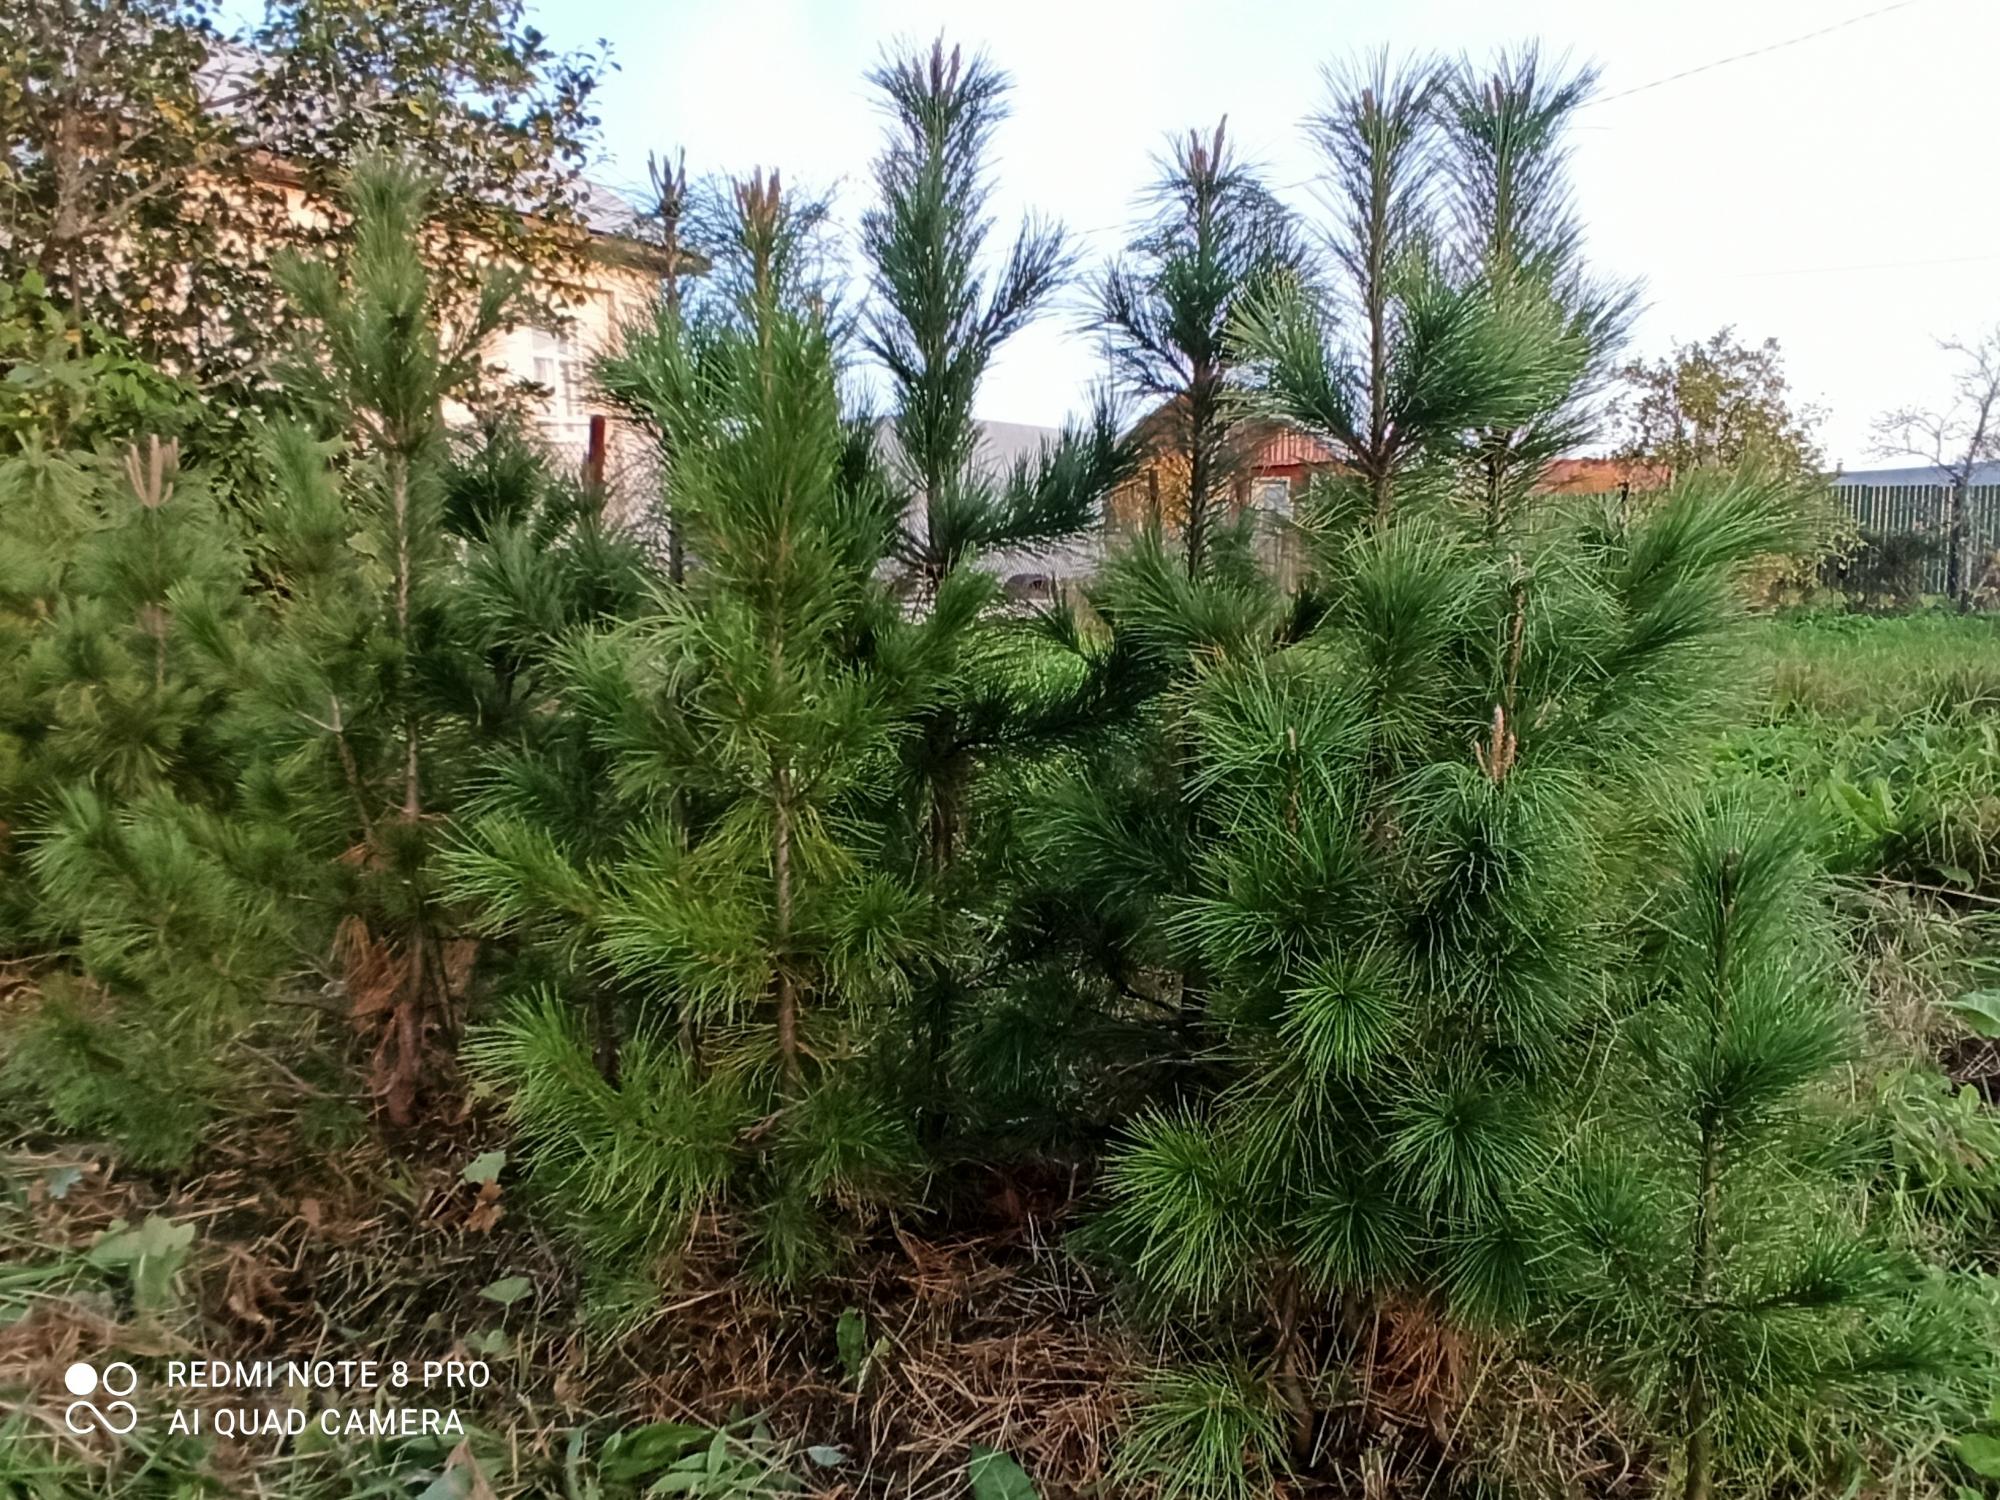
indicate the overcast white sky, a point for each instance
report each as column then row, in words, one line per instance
column 1839, row 194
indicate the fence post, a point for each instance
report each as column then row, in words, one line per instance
column 593, row 457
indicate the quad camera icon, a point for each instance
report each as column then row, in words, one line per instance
column 84, row 1381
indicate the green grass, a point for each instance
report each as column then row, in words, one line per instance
column 1888, row 731
column 1853, row 668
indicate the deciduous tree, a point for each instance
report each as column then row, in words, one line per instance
column 123, row 165
column 1719, row 404
column 1956, row 440
column 150, row 156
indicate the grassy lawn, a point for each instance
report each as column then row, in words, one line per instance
column 1890, row 729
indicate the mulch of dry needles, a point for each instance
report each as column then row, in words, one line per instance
column 979, row 1326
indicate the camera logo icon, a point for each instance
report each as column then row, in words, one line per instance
column 83, row 1381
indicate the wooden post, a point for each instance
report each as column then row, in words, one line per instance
column 593, row 456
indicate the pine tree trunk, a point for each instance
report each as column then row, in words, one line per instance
column 406, row 1076
column 945, row 822
column 676, row 556
column 1201, row 464
column 1377, row 294
column 604, row 1016
column 1700, row 1479
column 1700, row 1452
column 399, row 503
column 781, row 863
column 1290, row 1375
column 1496, row 511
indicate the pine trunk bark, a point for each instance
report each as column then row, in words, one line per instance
column 413, row 1002
column 781, row 867
column 1699, row 1481
column 1700, row 1445
column 1201, row 462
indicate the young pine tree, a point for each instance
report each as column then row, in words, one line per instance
column 357, row 761
column 937, row 318
column 701, row 223
column 1720, row 1266
column 1217, row 240
column 122, row 766
column 1392, row 922
column 936, row 322
column 1511, row 230
column 740, row 891
column 1402, row 355
column 113, row 567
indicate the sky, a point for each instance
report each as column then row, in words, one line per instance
column 1837, row 193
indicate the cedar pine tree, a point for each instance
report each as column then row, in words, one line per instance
column 119, row 768
column 1406, row 844
column 739, row 892
column 1719, row 1269
column 355, row 758
column 935, row 323
column 1217, row 239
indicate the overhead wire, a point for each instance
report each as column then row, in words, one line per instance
column 1737, row 57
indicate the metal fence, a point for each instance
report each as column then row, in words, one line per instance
column 1924, row 511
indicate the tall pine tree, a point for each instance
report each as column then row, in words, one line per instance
column 1402, row 354
column 1512, row 231
column 938, row 316
column 742, row 892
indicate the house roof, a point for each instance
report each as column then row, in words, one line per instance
column 1598, row 476
column 1265, row 443
column 1000, row 445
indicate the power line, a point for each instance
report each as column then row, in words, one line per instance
column 1723, row 62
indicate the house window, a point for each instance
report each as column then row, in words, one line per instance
column 557, row 365
column 1272, row 496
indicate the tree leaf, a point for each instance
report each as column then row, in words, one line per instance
column 995, row 1476
column 485, row 1167
column 1981, row 1454
column 152, row 1256
column 507, row 1290
column 850, row 1338
column 1978, row 1011
column 59, row 1180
